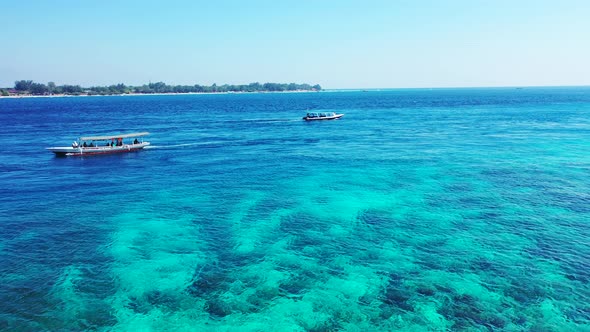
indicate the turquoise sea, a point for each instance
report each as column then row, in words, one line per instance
column 419, row 210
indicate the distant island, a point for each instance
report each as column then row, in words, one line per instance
column 30, row 88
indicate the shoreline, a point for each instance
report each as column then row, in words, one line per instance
column 296, row 91
column 154, row 94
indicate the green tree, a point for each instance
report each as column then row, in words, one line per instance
column 4, row 93
column 117, row 89
column 71, row 89
column 254, row 87
column 38, row 89
column 58, row 90
column 51, row 87
column 160, row 87
column 23, row 85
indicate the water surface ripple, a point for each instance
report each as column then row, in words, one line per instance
column 421, row 210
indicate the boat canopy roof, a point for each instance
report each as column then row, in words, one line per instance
column 316, row 114
column 105, row 138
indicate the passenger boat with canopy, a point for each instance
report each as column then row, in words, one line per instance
column 322, row 116
column 95, row 145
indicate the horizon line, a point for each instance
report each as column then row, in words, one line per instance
column 467, row 87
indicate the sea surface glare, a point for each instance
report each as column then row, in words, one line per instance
column 419, row 210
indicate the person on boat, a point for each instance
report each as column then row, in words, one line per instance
column 75, row 145
column 92, row 144
column 84, row 145
column 136, row 141
column 112, row 143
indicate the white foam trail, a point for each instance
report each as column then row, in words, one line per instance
column 178, row 145
column 271, row 120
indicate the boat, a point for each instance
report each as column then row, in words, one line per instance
column 98, row 145
column 322, row 116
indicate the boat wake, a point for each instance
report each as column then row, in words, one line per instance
column 177, row 145
column 271, row 120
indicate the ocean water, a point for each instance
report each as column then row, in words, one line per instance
column 419, row 210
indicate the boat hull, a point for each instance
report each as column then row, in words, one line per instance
column 333, row 117
column 66, row 151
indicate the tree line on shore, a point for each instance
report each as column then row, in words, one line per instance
column 28, row 87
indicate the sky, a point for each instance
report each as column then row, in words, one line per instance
column 337, row 44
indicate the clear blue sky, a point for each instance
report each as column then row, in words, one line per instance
column 338, row 44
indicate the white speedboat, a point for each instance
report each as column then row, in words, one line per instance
column 96, row 145
column 322, row 116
